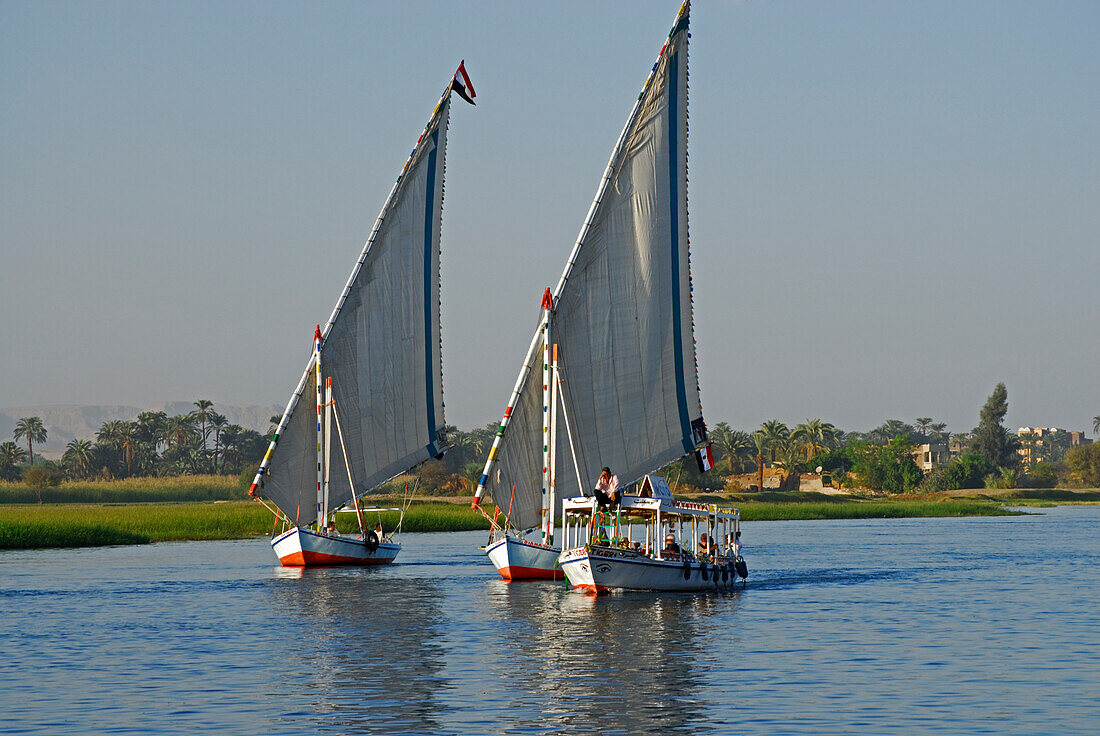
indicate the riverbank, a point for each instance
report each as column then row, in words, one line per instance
column 31, row 526
column 81, row 525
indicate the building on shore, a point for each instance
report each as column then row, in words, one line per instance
column 929, row 456
column 1047, row 444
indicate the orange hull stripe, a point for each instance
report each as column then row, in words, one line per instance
column 300, row 559
column 516, row 572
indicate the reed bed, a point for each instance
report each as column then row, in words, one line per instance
column 176, row 489
column 76, row 525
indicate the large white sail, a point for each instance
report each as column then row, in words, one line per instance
column 622, row 317
column 381, row 349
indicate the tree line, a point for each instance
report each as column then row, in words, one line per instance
column 881, row 459
column 153, row 444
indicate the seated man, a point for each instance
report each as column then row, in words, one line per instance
column 607, row 488
column 670, row 544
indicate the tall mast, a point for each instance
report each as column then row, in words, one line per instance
column 328, row 443
column 547, row 500
column 320, row 432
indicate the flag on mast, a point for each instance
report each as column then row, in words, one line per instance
column 465, row 88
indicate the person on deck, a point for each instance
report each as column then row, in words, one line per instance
column 607, row 489
column 670, row 544
column 733, row 545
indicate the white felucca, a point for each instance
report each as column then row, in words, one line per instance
column 376, row 372
column 614, row 350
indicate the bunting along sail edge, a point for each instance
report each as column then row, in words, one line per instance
column 630, row 380
column 393, row 438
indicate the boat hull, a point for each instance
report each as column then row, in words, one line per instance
column 518, row 559
column 604, row 569
column 301, row 547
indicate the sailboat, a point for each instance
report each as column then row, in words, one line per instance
column 613, row 356
column 369, row 405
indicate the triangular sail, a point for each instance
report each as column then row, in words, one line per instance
column 381, row 348
column 622, row 314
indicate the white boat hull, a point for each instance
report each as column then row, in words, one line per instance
column 302, row 547
column 519, row 559
column 603, row 569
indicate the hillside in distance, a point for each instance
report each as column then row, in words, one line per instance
column 71, row 421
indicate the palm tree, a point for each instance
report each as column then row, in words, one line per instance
column 11, row 455
column 939, row 432
column 923, row 423
column 180, row 430
column 790, row 457
column 273, row 424
column 775, row 432
column 121, row 437
column 733, row 444
column 203, row 412
column 218, row 422
column 1096, row 425
column 78, row 457
column 34, row 431
column 814, row 435
column 760, row 443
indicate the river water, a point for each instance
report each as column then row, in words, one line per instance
column 985, row 625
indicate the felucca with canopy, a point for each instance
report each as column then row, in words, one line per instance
column 610, row 376
column 369, row 405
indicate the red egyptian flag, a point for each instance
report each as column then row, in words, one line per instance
column 705, row 457
column 464, row 88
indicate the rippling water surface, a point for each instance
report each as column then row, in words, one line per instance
column 919, row 626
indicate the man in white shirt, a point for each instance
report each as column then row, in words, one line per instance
column 607, row 488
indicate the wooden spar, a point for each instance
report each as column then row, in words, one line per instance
column 320, row 434
column 547, row 501
column 552, row 467
column 386, row 206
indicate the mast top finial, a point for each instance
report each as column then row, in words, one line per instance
column 317, row 333
column 547, row 299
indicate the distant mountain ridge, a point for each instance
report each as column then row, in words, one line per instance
column 71, row 421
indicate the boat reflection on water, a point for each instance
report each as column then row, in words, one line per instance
column 628, row 663
column 368, row 652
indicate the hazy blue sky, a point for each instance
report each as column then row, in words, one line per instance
column 894, row 205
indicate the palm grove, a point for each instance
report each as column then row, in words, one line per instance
column 881, row 459
column 153, row 444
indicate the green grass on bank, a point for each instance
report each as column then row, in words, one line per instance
column 77, row 525
column 177, row 489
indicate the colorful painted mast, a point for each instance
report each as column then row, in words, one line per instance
column 321, row 477
column 547, row 500
column 553, row 375
column 466, row 91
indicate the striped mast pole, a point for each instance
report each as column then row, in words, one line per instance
column 553, row 465
column 547, row 311
column 320, row 432
column 528, row 363
column 328, row 444
column 257, row 481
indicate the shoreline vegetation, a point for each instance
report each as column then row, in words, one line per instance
column 142, row 511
